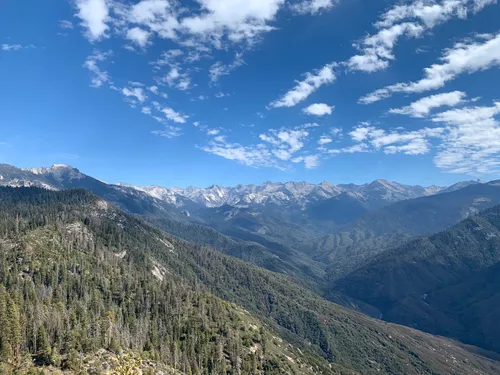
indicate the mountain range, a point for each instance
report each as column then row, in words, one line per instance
column 88, row 278
column 424, row 257
column 300, row 194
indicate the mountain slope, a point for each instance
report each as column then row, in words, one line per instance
column 162, row 208
column 446, row 283
column 71, row 269
column 263, row 253
column 289, row 220
column 73, row 236
column 352, row 245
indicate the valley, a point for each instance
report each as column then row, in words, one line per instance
column 301, row 262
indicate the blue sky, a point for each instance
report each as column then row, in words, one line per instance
column 244, row 91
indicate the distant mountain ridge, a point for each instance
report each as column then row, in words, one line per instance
column 288, row 193
column 376, row 194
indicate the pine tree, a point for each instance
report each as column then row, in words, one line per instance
column 15, row 336
column 43, row 346
column 5, row 346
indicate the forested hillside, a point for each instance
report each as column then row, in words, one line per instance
column 357, row 242
column 78, row 276
column 71, row 283
column 446, row 283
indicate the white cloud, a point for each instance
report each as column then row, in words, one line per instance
column 286, row 139
column 311, row 125
column 360, row 133
column 168, row 132
column 318, row 109
column 324, row 140
column 480, row 4
column 174, row 115
column 65, row 24
column 94, row 15
column 336, row 132
column 253, row 156
column 135, row 92
column 155, row 90
column 11, row 47
column 361, row 147
column 303, row 89
column 98, row 77
column 430, row 13
column 422, row 108
column 411, row 20
column 278, row 149
column 407, row 142
column 313, row 6
column 213, row 131
column 237, row 20
column 146, row 110
column 176, row 78
column 377, row 49
column 464, row 57
column 471, row 144
column 310, row 161
column 219, row 69
column 168, row 58
column 138, row 36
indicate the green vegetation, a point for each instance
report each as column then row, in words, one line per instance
column 85, row 277
column 356, row 243
column 66, row 289
column 445, row 284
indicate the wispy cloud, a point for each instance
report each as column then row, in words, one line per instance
column 422, row 108
column 98, row 76
column 173, row 115
column 313, row 6
column 395, row 141
column 135, row 92
column 175, row 75
column 253, row 156
column 468, row 56
column 306, row 87
column 324, row 140
column 411, row 20
column 11, row 47
column 376, row 50
column 168, row 132
column 279, row 148
column 472, row 143
column 15, row 47
column 65, row 24
column 219, row 69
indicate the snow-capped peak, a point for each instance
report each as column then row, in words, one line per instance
column 290, row 193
